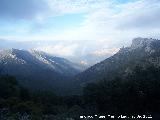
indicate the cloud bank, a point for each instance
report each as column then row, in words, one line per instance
column 106, row 25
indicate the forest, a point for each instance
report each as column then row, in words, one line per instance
column 136, row 93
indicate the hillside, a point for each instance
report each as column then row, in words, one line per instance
column 37, row 70
column 143, row 52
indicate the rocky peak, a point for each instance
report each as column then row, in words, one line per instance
column 145, row 43
column 141, row 42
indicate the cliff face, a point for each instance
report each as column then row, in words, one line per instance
column 141, row 42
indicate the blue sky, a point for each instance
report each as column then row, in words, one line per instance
column 64, row 27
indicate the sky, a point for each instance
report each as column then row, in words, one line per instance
column 72, row 28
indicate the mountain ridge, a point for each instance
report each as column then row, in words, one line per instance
column 37, row 70
column 141, row 51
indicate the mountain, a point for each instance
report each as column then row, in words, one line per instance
column 142, row 52
column 83, row 61
column 37, row 70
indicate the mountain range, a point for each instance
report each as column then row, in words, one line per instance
column 39, row 70
column 85, row 60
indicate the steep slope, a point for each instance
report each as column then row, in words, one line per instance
column 37, row 70
column 60, row 65
column 143, row 51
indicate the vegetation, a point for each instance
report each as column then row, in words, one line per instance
column 17, row 103
column 137, row 93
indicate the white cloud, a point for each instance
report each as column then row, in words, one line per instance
column 82, row 62
column 74, row 6
column 120, row 24
column 105, row 52
column 59, row 49
column 140, row 15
